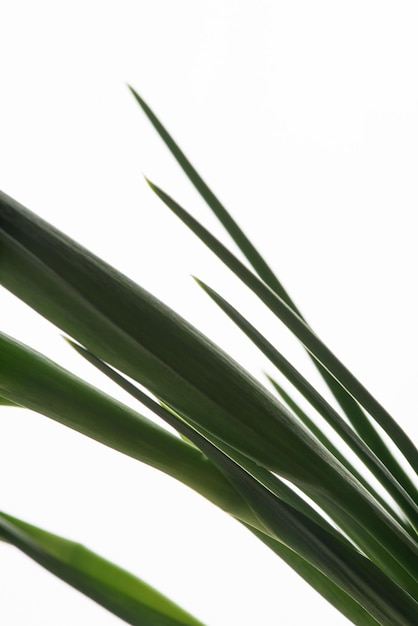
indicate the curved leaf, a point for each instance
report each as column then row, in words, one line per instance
column 125, row 326
column 39, row 384
column 314, row 542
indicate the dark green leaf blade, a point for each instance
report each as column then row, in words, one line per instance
column 351, row 438
column 134, row 332
column 319, row 581
column 219, row 210
column 352, row 410
column 300, row 329
column 6, row 402
column 317, row 432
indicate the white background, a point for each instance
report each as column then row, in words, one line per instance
column 303, row 118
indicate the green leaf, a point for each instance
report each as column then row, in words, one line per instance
column 301, row 330
column 317, row 432
column 239, row 476
column 125, row 326
column 120, row 592
column 41, row 385
column 332, row 557
column 331, row 416
column 219, row 210
column 6, row 402
column 313, row 541
column 352, row 410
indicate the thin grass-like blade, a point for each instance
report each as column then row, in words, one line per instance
column 120, row 592
column 219, row 210
column 321, row 405
column 300, row 329
column 317, row 432
column 352, row 410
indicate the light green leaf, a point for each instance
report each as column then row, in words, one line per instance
column 120, row 592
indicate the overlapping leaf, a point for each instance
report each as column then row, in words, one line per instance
column 44, row 387
column 47, row 388
column 125, row 326
column 356, row 416
column 237, row 439
column 309, row 339
column 318, row 552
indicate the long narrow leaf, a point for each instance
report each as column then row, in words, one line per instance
column 120, row 592
column 354, row 413
column 43, row 386
column 317, row 432
column 128, row 328
column 219, row 210
column 300, row 329
column 402, row 498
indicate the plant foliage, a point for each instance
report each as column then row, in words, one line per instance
column 251, row 451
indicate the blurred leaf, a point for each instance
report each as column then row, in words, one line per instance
column 107, row 584
column 6, row 402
